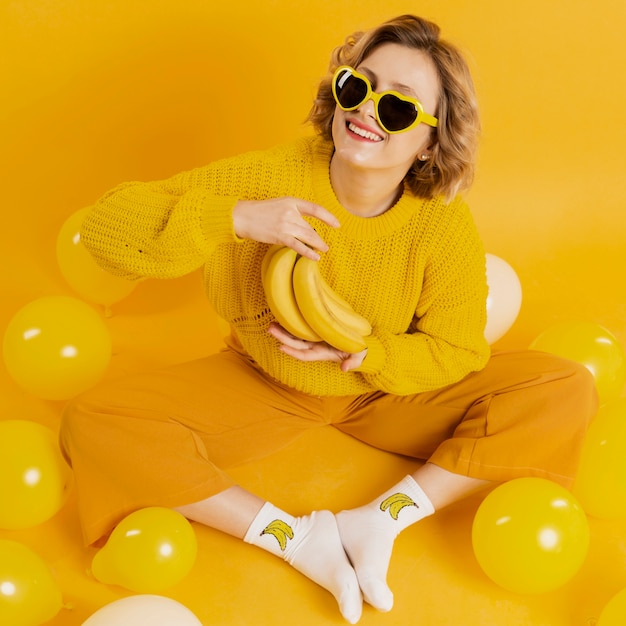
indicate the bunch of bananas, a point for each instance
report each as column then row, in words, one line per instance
column 305, row 305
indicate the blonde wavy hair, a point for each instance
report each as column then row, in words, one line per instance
column 450, row 169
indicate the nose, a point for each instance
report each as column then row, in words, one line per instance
column 368, row 108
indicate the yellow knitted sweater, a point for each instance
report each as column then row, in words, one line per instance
column 417, row 272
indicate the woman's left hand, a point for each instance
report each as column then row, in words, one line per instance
column 314, row 350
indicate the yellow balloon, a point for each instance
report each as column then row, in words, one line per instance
column 56, row 347
column 34, row 477
column 80, row 270
column 530, row 535
column 594, row 347
column 614, row 613
column 29, row 595
column 600, row 483
column 143, row 609
column 150, row 550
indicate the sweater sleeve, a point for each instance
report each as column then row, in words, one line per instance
column 158, row 230
column 445, row 340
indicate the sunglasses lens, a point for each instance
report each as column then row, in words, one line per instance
column 396, row 114
column 350, row 90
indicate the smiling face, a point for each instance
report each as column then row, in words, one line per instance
column 358, row 137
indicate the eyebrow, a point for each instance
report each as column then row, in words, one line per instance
column 397, row 86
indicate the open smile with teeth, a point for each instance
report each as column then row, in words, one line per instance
column 361, row 132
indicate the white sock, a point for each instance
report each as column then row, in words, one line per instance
column 312, row 545
column 368, row 534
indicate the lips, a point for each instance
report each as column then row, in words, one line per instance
column 362, row 132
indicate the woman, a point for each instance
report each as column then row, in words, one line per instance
column 373, row 198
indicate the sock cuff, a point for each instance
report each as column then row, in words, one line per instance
column 270, row 529
column 413, row 489
column 404, row 504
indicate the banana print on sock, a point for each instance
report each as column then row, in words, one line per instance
column 281, row 531
column 396, row 503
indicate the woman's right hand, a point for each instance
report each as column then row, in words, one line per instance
column 281, row 221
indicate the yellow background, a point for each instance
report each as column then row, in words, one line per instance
column 96, row 92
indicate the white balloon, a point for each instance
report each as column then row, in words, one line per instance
column 504, row 300
column 143, row 610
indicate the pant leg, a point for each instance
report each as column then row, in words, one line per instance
column 165, row 438
column 525, row 414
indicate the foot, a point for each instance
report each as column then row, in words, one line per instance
column 317, row 552
column 368, row 534
column 368, row 545
column 310, row 544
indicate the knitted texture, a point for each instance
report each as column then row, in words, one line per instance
column 416, row 272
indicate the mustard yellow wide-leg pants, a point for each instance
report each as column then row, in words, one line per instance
column 167, row 438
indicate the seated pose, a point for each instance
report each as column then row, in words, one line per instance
column 372, row 201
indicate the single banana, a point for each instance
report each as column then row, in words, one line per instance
column 267, row 257
column 396, row 503
column 280, row 530
column 278, row 285
column 342, row 309
column 312, row 304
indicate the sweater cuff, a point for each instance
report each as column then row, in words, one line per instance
column 217, row 221
column 374, row 359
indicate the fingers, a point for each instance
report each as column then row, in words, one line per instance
column 300, row 348
column 306, row 250
column 315, row 210
column 282, row 220
column 286, row 338
column 314, row 352
column 352, row 361
column 305, row 240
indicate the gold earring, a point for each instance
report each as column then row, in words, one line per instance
column 424, row 157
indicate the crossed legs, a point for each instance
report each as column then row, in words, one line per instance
column 168, row 438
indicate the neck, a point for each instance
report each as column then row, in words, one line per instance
column 363, row 192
